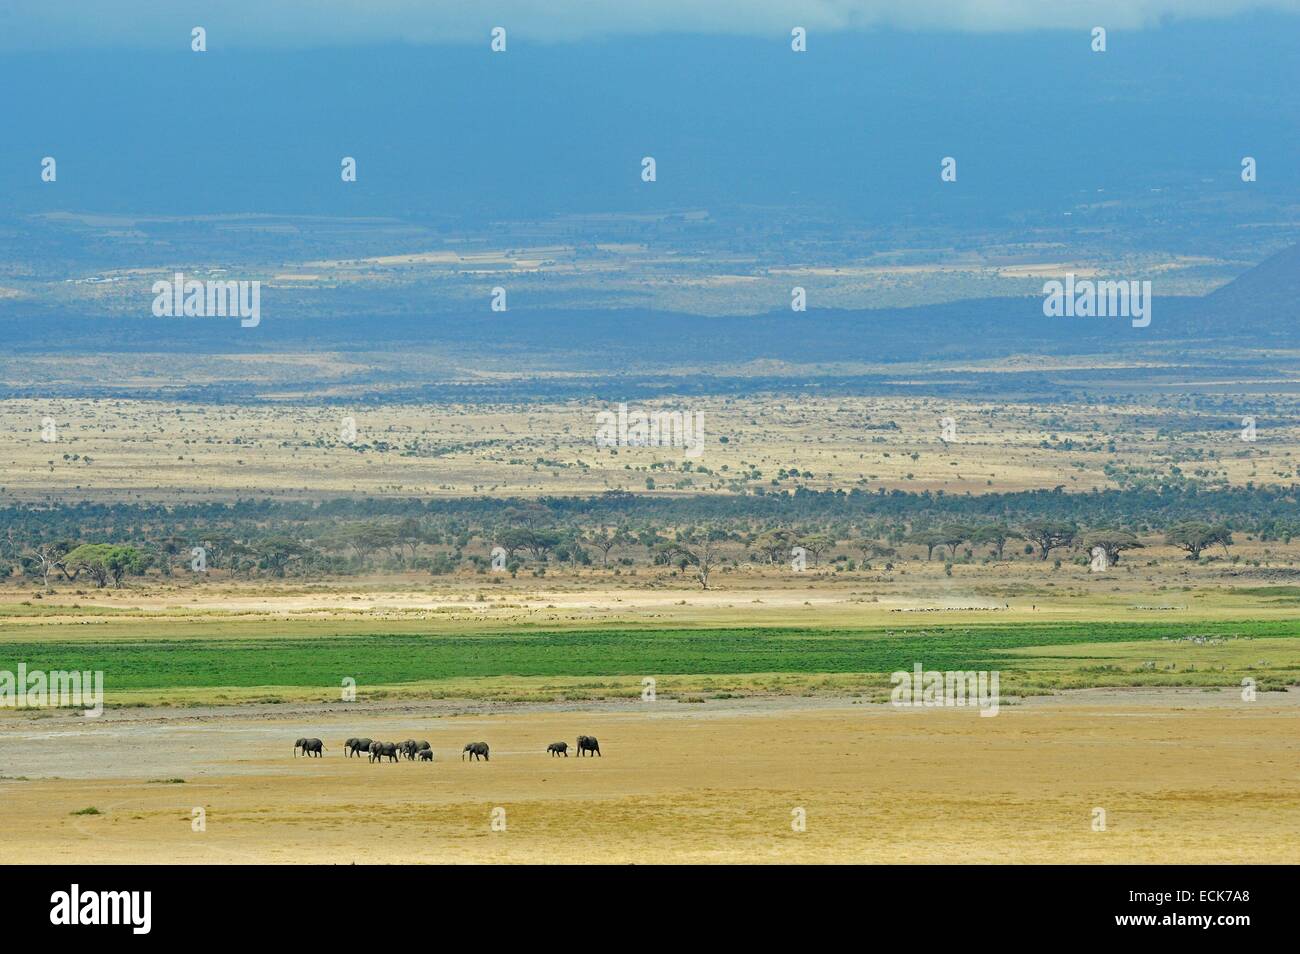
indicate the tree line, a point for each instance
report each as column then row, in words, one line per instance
column 531, row 535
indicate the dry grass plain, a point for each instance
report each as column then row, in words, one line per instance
column 126, row 451
column 1183, row 776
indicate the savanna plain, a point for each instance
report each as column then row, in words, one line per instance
column 1145, row 713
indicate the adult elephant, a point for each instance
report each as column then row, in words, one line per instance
column 357, row 747
column 297, row 745
column 588, row 743
column 312, row 747
column 476, row 750
column 407, row 748
column 558, row 748
column 383, row 750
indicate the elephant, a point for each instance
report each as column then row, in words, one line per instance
column 357, row 747
column 412, row 749
column 588, row 743
column 310, row 746
column 424, row 755
column 558, row 748
column 383, row 750
column 297, row 745
column 407, row 748
column 476, row 750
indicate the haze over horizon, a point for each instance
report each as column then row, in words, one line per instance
column 442, row 127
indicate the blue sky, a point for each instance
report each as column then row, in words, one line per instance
column 162, row 24
column 1037, row 120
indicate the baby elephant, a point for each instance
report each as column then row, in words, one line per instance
column 424, row 755
column 558, row 748
column 476, row 750
column 588, row 743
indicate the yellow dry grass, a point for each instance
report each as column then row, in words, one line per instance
column 1181, row 777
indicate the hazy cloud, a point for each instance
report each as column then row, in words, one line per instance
column 159, row 24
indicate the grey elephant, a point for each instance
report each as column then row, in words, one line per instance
column 357, row 747
column 476, row 751
column 411, row 748
column 296, row 746
column 312, row 747
column 558, row 748
column 424, row 755
column 383, row 750
column 588, row 743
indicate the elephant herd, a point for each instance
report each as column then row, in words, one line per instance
column 378, row 751
column 587, row 745
column 423, row 752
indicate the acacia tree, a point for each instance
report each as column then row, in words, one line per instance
column 540, row 543
column 1112, row 542
column 510, row 539
column 1049, row 535
column 996, row 534
column 276, row 554
column 410, row 533
column 774, row 544
column 1194, row 536
column 817, row 544
column 953, row 535
column 47, row 557
column 604, row 540
column 167, row 550
column 103, row 562
column 928, row 539
column 220, row 546
column 696, row 547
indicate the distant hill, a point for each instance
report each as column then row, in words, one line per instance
column 1266, row 298
column 1260, row 308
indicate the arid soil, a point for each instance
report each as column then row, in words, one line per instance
column 1181, row 775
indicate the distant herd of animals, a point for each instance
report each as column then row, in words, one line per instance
column 423, row 752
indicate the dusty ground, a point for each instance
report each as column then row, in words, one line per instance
column 115, row 450
column 1183, row 776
